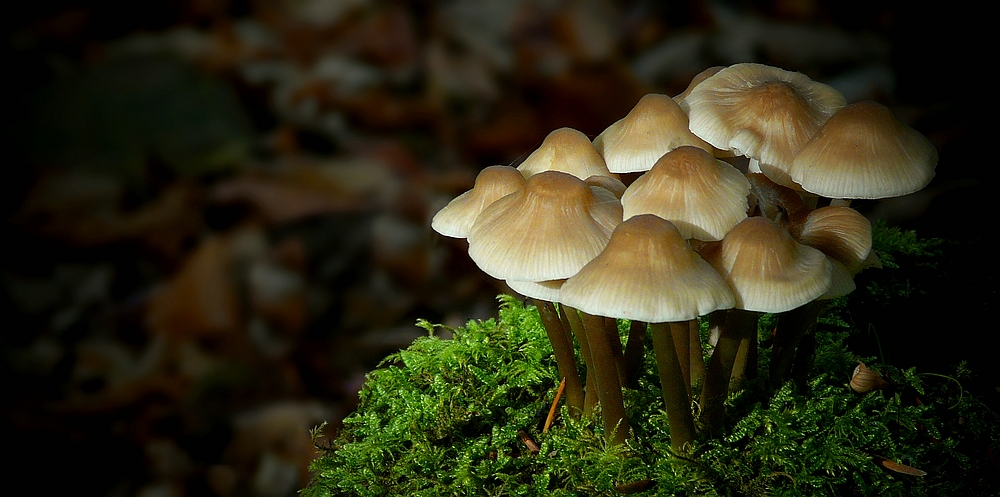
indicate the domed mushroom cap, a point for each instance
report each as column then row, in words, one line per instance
column 839, row 232
column 864, row 151
column 492, row 183
column 655, row 126
column 647, row 272
column 762, row 112
column 547, row 230
column 702, row 196
column 566, row 150
column 767, row 269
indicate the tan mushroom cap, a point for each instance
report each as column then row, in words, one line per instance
column 647, row 272
column 839, row 232
column 701, row 195
column 762, row 112
column 566, row 150
column 864, row 151
column 655, row 126
column 546, row 231
column 492, row 183
column 767, row 269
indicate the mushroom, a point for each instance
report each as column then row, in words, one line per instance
column 701, row 195
column 655, row 126
column 864, row 151
column 546, row 231
column 566, row 150
column 768, row 271
column 763, row 112
column 845, row 236
column 492, row 183
column 647, row 273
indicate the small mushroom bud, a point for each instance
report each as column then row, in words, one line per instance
column 865, row 379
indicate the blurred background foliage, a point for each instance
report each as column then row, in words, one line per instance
column 217, row 211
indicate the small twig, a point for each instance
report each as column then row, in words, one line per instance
column 555, row 403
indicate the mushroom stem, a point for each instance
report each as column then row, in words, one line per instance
column 571, row 320
column 697, row 354
column 792, row 326
column 615, row 340
column 609, row 390
column 634, row 349
column 562, row 347
column 738, row 327
column 672, row 382
column 745, row 366
column 681, row 335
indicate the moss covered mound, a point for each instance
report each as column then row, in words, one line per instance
column 463, row 416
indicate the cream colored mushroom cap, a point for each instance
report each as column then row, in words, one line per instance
column 762, row 112
column 839, row 232
column 547, row 230
column 864, row 151
column 767, row 269
column 492, row 183
column 702, row 196
column 647, row 272
column 655, row 126
column 566, row 150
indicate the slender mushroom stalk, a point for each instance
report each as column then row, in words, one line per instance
column 739, row 327
column 562, row 348
column 676, row 394
column 634, row 351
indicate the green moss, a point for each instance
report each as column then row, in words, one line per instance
column 443, row 417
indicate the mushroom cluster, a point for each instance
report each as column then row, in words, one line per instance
column 721, row 222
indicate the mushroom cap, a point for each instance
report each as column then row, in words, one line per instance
column 701, row 195
column 839, row 232
column 492, row 183
column 762, row 112
column 655, row 126
column 547, row 230
column 566, row 150
column 864, row 151
column 647, row 272
column 767, row 269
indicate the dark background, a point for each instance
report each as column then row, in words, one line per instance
column 218, row 211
